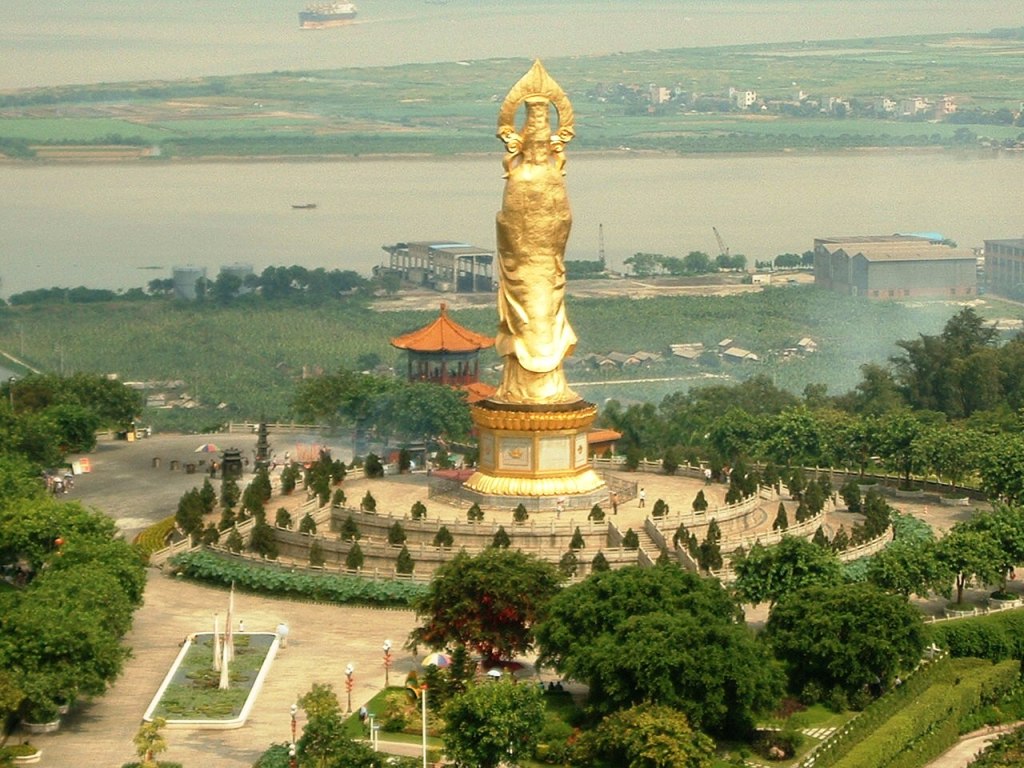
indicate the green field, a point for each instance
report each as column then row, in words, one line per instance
column 448, row 108
column 251, row 357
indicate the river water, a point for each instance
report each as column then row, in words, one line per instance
column 85, row 41
column 120, row 226
column 104, row 226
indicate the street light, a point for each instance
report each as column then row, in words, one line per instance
column 291, row 756
column 423, row 701
column 349, row 671
column 295, row 711
column 387, row 663
column 10, row 390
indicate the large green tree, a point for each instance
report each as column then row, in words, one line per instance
column 970, row 555
column 768, row 574
column 488, row 602
column 848, row 636
column 492, row 724
column 660, row 635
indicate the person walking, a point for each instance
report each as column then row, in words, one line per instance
column 642, row 496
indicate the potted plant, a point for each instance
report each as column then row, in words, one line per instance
column 42, row 715
column 21, row 754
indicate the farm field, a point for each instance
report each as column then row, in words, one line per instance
column 450, row 108
column 244, row 361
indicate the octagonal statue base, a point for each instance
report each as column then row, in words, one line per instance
column 533, row 450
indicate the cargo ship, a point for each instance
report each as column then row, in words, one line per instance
column 323, row 15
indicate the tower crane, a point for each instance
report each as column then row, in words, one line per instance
column 722, row 249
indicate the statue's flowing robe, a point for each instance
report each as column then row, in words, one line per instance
column 534, row 334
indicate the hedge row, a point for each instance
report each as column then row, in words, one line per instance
column 155, row 536
column 213, row 568
column 872, row 718
column 926, row 726
column 995, row 636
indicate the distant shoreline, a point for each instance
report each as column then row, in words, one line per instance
column 79, row 159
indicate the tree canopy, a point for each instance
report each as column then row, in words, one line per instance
column 848, row 636
column 646, row 736
column 488, row 602
column 768, row 574
column 665, row 636
column 493, row 723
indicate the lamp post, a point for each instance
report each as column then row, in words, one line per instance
column 423, row 701
column 291, row 756
column 295, row 711
column 10, row 390
column 387, row 663
column 349, row 671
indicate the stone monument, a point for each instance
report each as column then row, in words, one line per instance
column 533, row 430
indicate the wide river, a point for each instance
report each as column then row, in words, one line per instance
column 101, row 226
column 85, row 41
column 107, row 225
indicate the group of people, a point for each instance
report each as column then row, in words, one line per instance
column 59, row 484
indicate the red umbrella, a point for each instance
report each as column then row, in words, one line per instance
column 207, row 448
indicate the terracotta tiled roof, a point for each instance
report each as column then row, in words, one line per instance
column 603, row 436
column 443, row 335
column 477, row 391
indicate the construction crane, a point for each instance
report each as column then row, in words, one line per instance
column 722, row 249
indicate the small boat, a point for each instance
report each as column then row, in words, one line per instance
column 324, row 15
column 303, row 206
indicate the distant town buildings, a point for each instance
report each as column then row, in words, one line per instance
column 894, row 267
column 660, row 98
column 1004, row 267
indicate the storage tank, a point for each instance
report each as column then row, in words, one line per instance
column 185, row 279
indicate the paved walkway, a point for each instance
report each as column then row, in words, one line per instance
column 323, row 639
column 126, row 484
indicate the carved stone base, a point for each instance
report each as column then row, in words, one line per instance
column 533, row 451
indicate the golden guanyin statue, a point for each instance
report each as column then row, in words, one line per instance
column 534, row 335
column 532, row 433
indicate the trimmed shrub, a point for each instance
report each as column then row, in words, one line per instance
column 316, row 554
column 418, row 510
column 396, row 534
column 372, row 467
column 501, row 538
column 700, row 503
column 577, row 541
column 443, row 537
column 368, row 504
column 350, row 530
column 307, row 524
column 474, row 514
column 283, row 518
column 355, row 558
column 405, row 564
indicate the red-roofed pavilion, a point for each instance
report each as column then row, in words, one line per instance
column 446, row 353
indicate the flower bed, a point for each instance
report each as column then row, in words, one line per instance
column 190, row 696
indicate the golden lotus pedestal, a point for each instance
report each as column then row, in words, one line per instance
column 534, row 451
